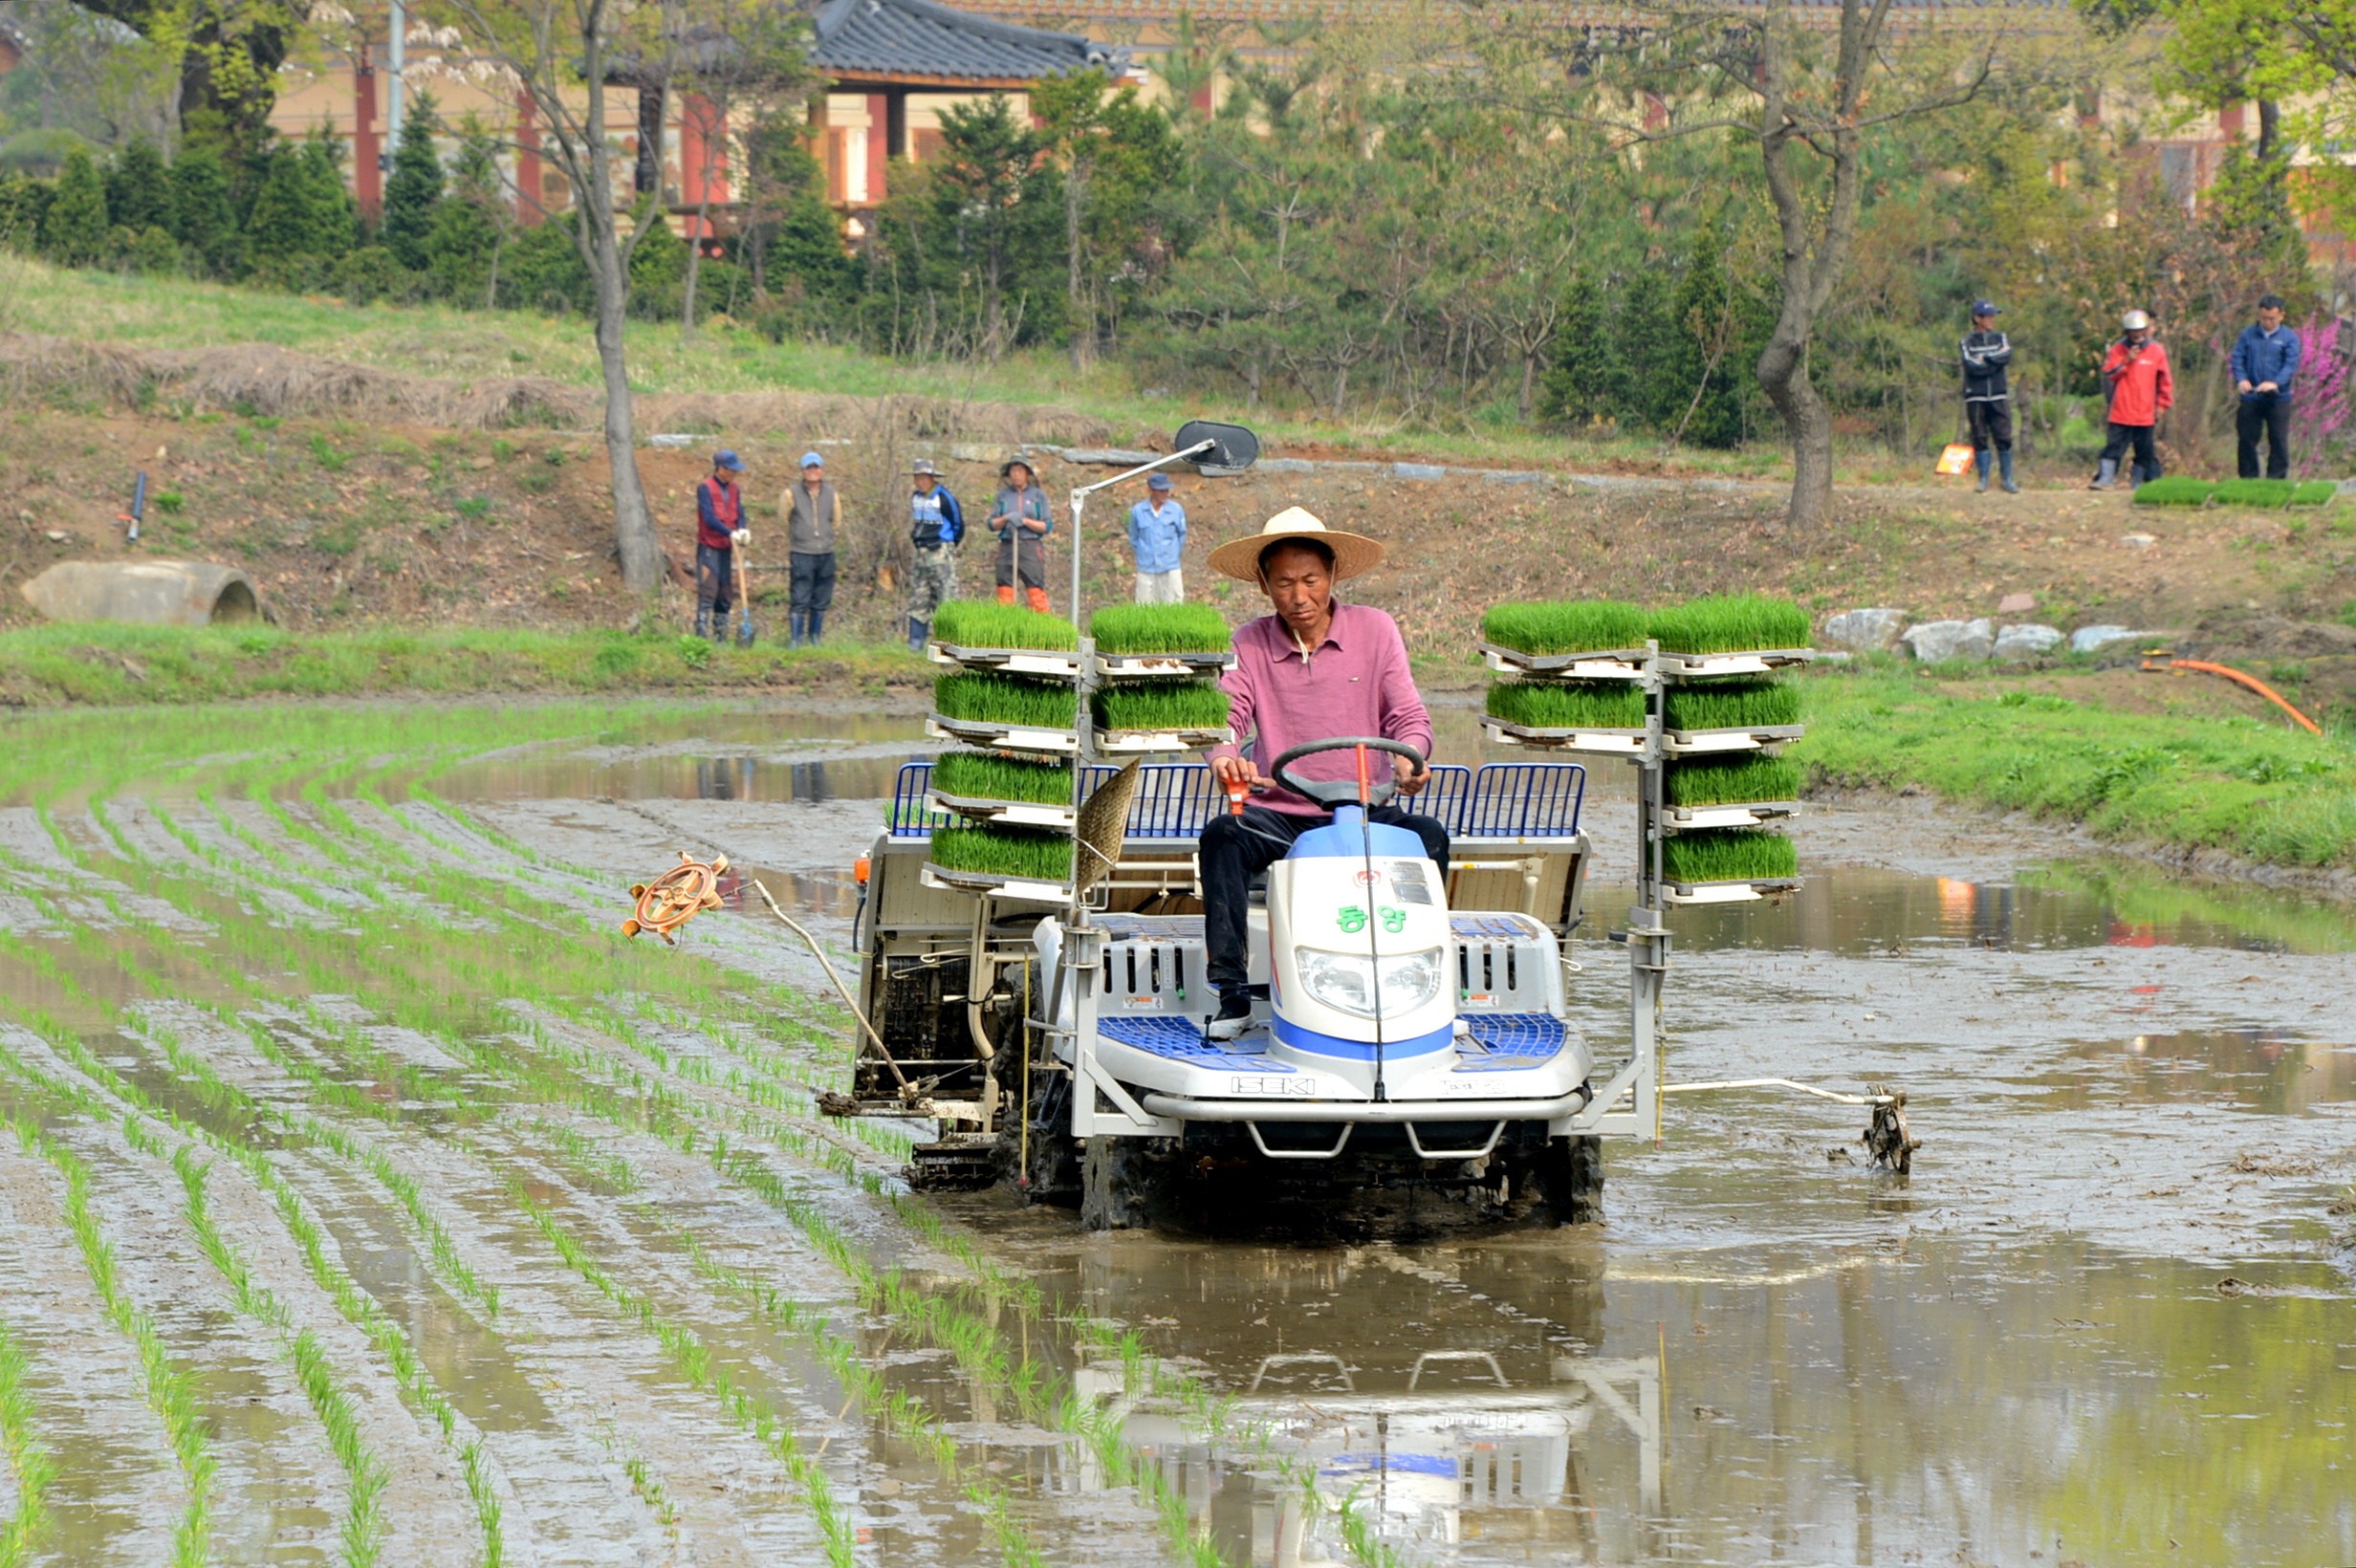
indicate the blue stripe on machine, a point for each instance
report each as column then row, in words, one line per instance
column 1333, row 1045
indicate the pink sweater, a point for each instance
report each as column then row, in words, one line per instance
column 1355, row 683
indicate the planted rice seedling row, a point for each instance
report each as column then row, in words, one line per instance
column 30, row 1467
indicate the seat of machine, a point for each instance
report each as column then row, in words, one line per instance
column 1181, row 1039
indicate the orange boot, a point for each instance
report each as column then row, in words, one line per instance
column 1006, row 593
column 1038, row 598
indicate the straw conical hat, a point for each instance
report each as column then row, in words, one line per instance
column 1353, row 553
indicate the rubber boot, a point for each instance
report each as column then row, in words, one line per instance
column 719, row 629
column 919, row 631
column 1979, row 460
column 800, row 629
column 703, row 620
column 1006, row 593
column 2108, row 475
column 2004, row 465
column 1038, row 598
column 818, row 624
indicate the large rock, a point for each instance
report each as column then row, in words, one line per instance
column 146, row 592
column 2025, row 641
column 2087, row 639
column 1868, row 631
column 1936, row 641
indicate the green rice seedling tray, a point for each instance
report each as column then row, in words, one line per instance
column 986, row 624
column 1043, row 661
column 1749, row 814
column 1728, row 892
column 1601, row 742
column 2175, row 491
column 1604, row 665
column 1028, row 889
column 1127, row 631
column 1561, row 631
column 1702, row 742
column 2267, row 494
column 993, row 735
column 1727, row 781
column 1730, row 704
column 986, row 788
column 1006, row 863
column 1149, row 666
column 1729, row 623
column 1695, row 870
column 1697, row 667
column 1027, row 814
column 2315, row 492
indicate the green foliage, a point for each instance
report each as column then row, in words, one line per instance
column 1005, row 699
column 139, row 192
column 372, row 272
column 1651, row 343
column 1731, row 623
column 1162, row 704
column 1568, row 626
column 2273, row 494
column 984, row 775
column 1568, row 705
column 1158, row 628
column 302, row 221
column 1704, row 363
column 1728, row 854
column 23, row 204
column 203, row 215
column 413, row 190
column 1585, row 381
column 986, row 624
column 153, row 254
column 1037, row 855
column 1730, row 704
column 74, row 229
column 1733, row 778
column 2175, row 491
column 470, row 228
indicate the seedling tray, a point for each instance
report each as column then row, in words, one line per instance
column 1727, row 892
column 1688, row 741
column 1128, row 743
column 993, row 884
column 1002, row 737
column 1140, row 667
column 1622, row 743
column 1759, row 661
column 1026, row 813
column 1603, row 664
column 1059, row 663
column 1727, row 814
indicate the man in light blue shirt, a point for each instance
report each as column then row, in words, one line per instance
column 1158, row 538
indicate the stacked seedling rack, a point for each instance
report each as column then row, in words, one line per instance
column 1010, row 688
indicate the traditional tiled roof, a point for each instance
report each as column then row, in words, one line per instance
column 921, row 40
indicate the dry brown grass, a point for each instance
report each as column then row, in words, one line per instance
column 261, row 378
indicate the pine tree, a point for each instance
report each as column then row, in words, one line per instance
column 413, row 192
column 202, row 216
column 1650, row 349
column 139, row 192
column 1707, row 330
column 334, row 216
column 1585, row 379
column 73, row 231
column 302, row 218
column 470, row 225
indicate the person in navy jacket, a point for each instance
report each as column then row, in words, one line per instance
column 2265, row 359
column 719, row 527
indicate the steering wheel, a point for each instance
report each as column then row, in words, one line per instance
column 1343, row 792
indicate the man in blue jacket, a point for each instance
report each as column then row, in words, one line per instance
column 719, row 527
column 935, row 529
column 1158, row 538
column 2265, row 359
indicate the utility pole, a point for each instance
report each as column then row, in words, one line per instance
column 392, row 89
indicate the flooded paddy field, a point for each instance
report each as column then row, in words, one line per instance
column 366, row 1198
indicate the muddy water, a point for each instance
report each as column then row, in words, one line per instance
column 2105, row 1322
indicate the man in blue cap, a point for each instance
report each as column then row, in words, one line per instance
column 811, row 511
column 1987, row 400
column 1158, row 540
column 719, row 527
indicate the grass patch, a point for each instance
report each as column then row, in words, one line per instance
column 1158, row 628
column 1730, row 704
column 2315, row 492
column 1732, row 624
column 986, row 624
column 2252, row 787
column 1005, row 699
column 2174, row 490
column 1568, row 705
column 1162, row 704
column 2273, row 494
column 1735, row 777
column 1728, row 854
column 1565, row 626
column 980, row 775
column 1004, row 852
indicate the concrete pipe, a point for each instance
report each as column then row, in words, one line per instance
column 146, row 592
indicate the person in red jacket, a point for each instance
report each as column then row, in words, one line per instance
column 2135, row 375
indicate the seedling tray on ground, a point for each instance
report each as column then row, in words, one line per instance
column 994, row 883
column 1727, row 892
column 1603, row 664
column 998, row 737
column 1129, row 742
column 1748, row 814
column 1058, row 663
column 1027, row 814
column 1687, row 742
column 1758, row 662
column 1601, row 742
column 1140, row 667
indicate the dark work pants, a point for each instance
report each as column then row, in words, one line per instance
column 2147, row 457
column 2269, row 416
column 1234, row 848
column 715, row 578
column 813, row 593
column 1992, row 424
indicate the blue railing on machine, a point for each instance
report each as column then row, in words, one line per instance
column 1504, row 800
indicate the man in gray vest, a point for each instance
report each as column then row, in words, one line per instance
column 811, row 511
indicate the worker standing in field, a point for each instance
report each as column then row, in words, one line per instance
column 719, row 527
column 1987, row 397
column 1020, row 519
column 812, row 512
column 2135, row 375
column 2265, row 359
column 1158, row 540
column 935, row 529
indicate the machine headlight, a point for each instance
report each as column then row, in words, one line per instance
column 1343, row 981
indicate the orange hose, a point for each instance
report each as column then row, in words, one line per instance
column 2251, row 680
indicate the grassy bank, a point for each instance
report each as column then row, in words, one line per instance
column 2254, row 788
column 53, row 665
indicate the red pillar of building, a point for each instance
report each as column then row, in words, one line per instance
column 703, row 154
column 879, row 144
column 528, row 210
column 367, row 147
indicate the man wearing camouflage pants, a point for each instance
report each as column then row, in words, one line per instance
column 935, row 529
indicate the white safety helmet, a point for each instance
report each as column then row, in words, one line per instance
column 2135, row 321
